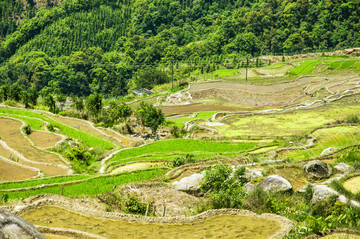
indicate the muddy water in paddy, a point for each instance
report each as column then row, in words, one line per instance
column 222, row 226
column 296, row 176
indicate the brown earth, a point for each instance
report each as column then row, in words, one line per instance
column 44, row 139
column 177, row 203
column 12, row 172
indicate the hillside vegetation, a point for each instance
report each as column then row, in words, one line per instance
column 81, row 46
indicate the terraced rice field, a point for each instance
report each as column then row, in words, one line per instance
column 168, row 150
column 44, row 139
column 353, row 184
column 236, row 226
column 336, row 137
column 10, row 132
column 12, row 171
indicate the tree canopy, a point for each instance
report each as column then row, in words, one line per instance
column 83, row 47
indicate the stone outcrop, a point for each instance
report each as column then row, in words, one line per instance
column 14, row 227
column 344, row 168
column 189, row 184
column 317, row 170
column 273, row 183
column 322, row 193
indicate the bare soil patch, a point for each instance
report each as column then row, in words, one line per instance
column 177, row 203
column 12, row 172
column 244, row 96
column 44, row 139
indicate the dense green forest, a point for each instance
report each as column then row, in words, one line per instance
column 79, row 47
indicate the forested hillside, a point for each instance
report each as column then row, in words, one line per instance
column 104, row 46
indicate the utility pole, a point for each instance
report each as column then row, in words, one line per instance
column 172, row 74
column 247, row 64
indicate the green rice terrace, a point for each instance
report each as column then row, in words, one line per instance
column 273, row 155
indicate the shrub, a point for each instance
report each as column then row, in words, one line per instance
column 50, row 127
column 128, row 202
column 27, row 129
column 189, row 158
column 223, row 190
column 256, row 200
column 308, row 193
column 352, row 157
column 352, row 119
column 11, row 103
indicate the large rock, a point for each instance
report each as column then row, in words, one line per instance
column 14, row 227
column 322, row 193
column 344, row 168
column 189, row 184
column 317, row 169
column 273, row 183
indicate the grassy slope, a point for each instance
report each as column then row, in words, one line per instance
column 89, row 187
column 170, row 149
column 36, row 182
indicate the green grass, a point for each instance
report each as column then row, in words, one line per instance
column 36, row 182
column 34, row 123
column 89, row 139
column 89, row 187
column 170, row 149
column 347, row 64
column 202, row 115
column 305, row 67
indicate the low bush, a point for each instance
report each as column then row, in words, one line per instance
column 222, row 187
column 27, row 129
column 128, row 202
column 50, row 127
column 353, row 119
column 189, row 158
